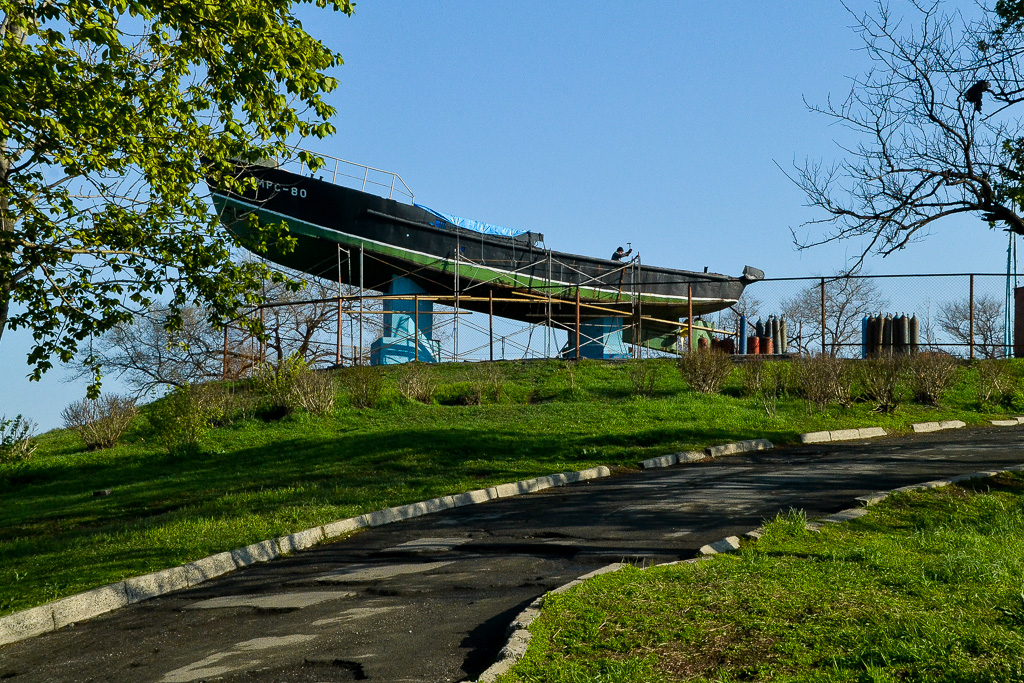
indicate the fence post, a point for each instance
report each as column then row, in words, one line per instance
column 971, row 338
column 263, row 341
column 224, row 369
column 689, row 316
column 577, row 323
column 416, row 325
column 490, row 322
column 823, row 349
column 361, row 308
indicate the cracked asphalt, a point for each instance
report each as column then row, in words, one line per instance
column 430, row 599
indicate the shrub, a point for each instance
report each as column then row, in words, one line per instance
column 100, row 422
column 17, row 438
column 931, row 374
column 994, row 381
column 493, row 379
column 314, row 391
column 460, row 394
column 705, row 370
column 181, row 419
column 766, row 381
column 824, row 379
column 417, row 383
column 275, row 383
column 881, row 379
column 363, row 384
column 643, row 376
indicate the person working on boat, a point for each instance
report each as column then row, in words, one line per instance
column 620, row 253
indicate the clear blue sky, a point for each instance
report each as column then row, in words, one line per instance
column 658, row 123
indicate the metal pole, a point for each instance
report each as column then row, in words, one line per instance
column 263, row 342
column 224, row 371
column 416, row 324
column 337, row 347
column 577, row 323
column 490, row 322
column 547, row 327
column 689, row 316
column 823, row 351
column 455, row 323
column 971, row 340
column 361, row 313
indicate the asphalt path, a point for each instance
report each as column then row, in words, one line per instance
column 430, row 599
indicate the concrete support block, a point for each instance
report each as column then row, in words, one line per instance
column 871, row 432
column 208, row 568
column 662, row 461
column 727, row 545
column 26, row 623
column 739, row 447
column 845, row 434
column 264, row 551
column 921, row 427
column 952, row 424
column 300, row 540
column 816, row 437
column 139, row 588
column 342, row 526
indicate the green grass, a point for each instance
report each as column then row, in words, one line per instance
column 255, row 480
column 926, row 588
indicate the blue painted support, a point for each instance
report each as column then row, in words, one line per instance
column 743, row 335
column 600, row 338
column 396, row 345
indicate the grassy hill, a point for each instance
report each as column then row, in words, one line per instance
column 265, row 472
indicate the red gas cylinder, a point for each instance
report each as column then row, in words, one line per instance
column 703, row 344
column 753, row 345
column 767, row 345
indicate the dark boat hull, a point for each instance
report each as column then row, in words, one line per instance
column 402, row 240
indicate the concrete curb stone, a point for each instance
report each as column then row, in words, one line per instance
column 730, row 544
column 663, row 461
column 209, row 567
column 739, row 447
column 26, row 623
column 1004, row 423
column 842, row 435
column 264, row 551
column 147, row 586
column 89, row 604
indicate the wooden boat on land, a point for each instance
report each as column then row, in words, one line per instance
column 360, row 238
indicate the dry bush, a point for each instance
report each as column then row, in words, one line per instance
column 767, row 381
column 824, row 379
column 931, row 374
column 882, row 378
column 417, row 383
column 314, row 391
column 363, row 384
column 275, row 383
column 100, row 422
column 643, row 376
column 17, row 438
column 705, row 370
column 494, row 379
column 994, row 380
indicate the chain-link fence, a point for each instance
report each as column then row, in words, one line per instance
column 966, row 314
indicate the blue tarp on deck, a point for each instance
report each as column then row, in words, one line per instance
column 476, row 226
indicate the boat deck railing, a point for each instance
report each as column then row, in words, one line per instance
column 350, row 174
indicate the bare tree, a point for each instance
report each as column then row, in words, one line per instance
column 924, row 149
column 955, row 320
column 847, row 301
column 147, row 355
